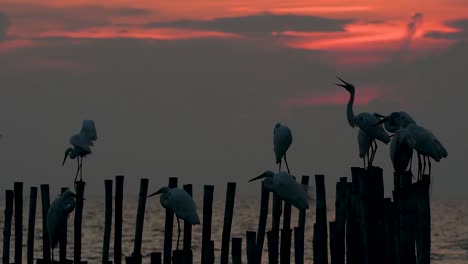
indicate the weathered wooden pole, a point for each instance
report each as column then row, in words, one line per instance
column 363, row 211
column 31, row 225
column 299, row 231
column 228, row 213
column 333, row 245
column 320, row 244
column 286, row 233
column 80, row 185
column 118, row 218
column 406, row 209
column 250, row 237
column 354, row 250
column 169, row 221
column 9, row 197
column 236, row 250
column 341, row 204
column 63, row 239
column 375, row 214
column 188, row 254
column 45, row 234
column 107, row 221
column 18, row 189
column 207, row 218
column 423, row 226
column 140, row 220
column 273, row 249
column 389, row 233
column 264, row 201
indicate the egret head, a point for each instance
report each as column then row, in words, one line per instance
column 348, row 86
column 68, row 152
column 405, row 119
column 266, row 174
column 164, row 189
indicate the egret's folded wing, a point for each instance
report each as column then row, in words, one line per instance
column 79, row 141
column 88, row 130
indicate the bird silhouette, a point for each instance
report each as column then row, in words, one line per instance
column 282, row 139
column 286, row 187
column 57, row 216
column 365, row 121
column 179, row 201
column 427, row 145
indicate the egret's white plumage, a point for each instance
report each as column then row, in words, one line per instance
column 286, row 187
column 81, row 143
column 179, row 201
column 401, row 150
column 365, row 121
column 282, row 139
column 426, row 144
column 57, row 216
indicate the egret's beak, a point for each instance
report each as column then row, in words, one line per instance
column 381, row 121
column 263, row 175
column 379, row 115
column 67, row 152
column 156, row 193
column 391, row 135
column 344, row 85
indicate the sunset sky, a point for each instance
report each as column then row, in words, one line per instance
column 193, row 88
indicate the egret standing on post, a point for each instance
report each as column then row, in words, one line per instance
column 179, row 201
column 282, row 139
column 286, row 187
column 365, row 121
column 81, row 143
column 426, row 144
column 57, row 216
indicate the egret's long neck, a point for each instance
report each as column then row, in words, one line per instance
column 349, row 109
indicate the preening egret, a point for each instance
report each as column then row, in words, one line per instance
column 81, row 143
column 179, row 201
column 57, row 216
column 365, row 121
column 401, row 150
column 427, row 145
column 282, row 139
column 286, row 187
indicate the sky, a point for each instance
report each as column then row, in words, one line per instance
column 193, row 89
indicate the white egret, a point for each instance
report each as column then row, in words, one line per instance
column 286, row 187
column 81, row 143
column 282, row 139
column 427, row 145
column 401, row 150
column 57, row 216
column 365, row 121
column 179, row 201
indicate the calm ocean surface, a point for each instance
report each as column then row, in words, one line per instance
column 449, row 229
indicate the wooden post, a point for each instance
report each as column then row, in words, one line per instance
column 63, row 239
column 375, row 214
column 178, row 257
column 108, row 221
column 236, row 250
column 407, row 216
column 423, row 226
column 264, row 201
column 286, row 233
column 210, row 253
column 251, row 248
column 299, row 233
column 207, row 211
column 140, row 220
column 363, row 206
column 168, row 227
column 18, row 189
column 188, row 255
column 45, row 234
column 275, row 226
column 389, row 233
column 78, row 219
column 118, row 218
column 156, row 258
column 341, row 204
column 334, row 256
column 31, row 224
column 9, row 196
column 320, row 244
column 228, row 212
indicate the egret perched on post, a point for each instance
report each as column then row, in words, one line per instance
column 401, row 150
column 286, row 187
column 179, row 201
column 57, row 216
column 427, row 145
column 81, row 143
column 282, row 139
column 365, row 121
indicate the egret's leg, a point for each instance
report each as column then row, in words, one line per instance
column 286, row 161
column 364, row 161
column 279, row 168
column 424, row 167
column 178, row 235
column 375, row 151
column 429, row 161
column 81, row 169
column 369, row 155
column 410, row 162
column 419, row 164
column 52, row 255
column 77, row 168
